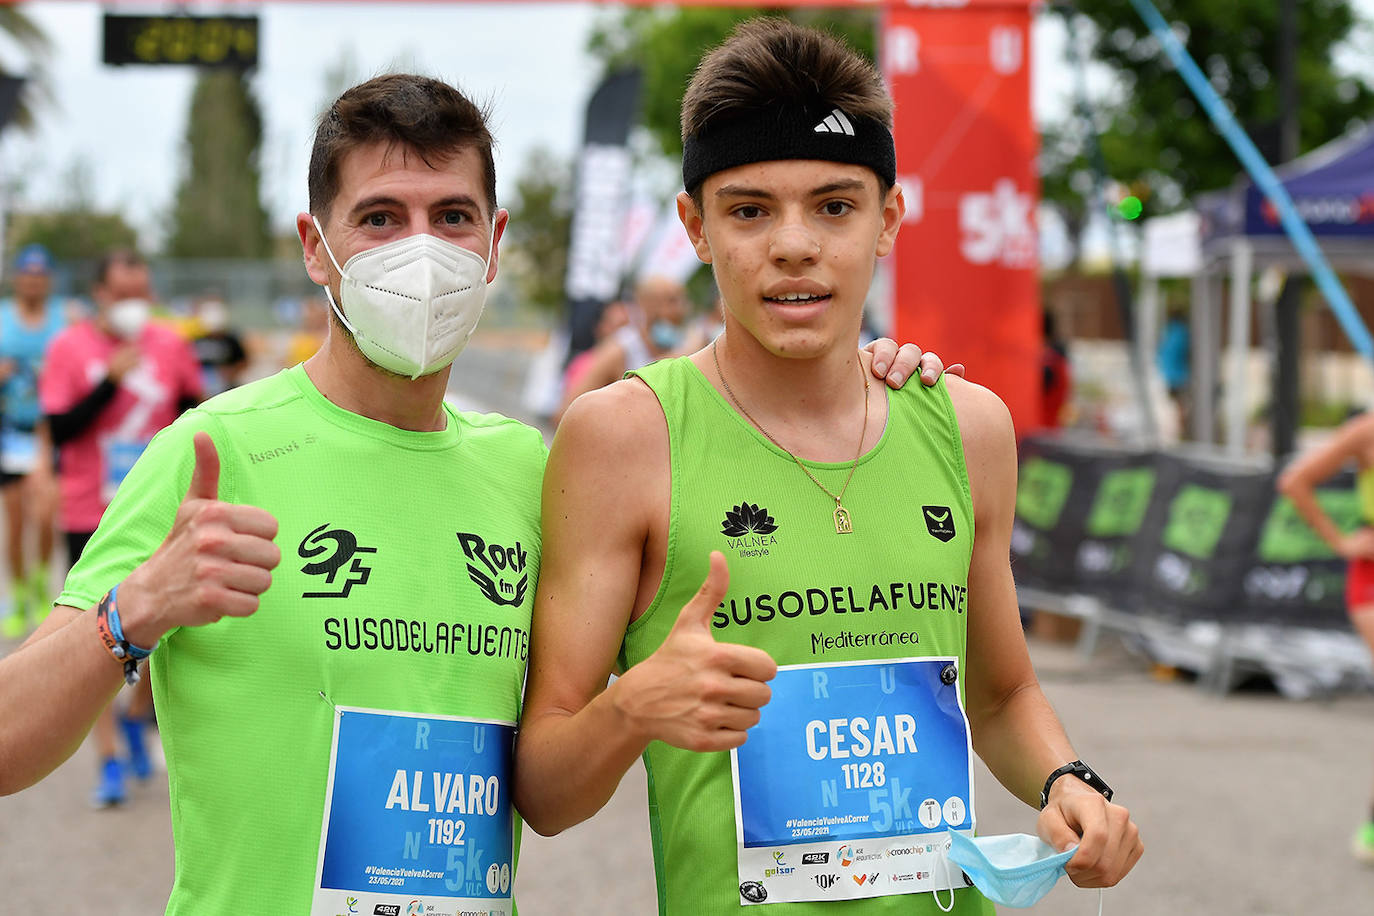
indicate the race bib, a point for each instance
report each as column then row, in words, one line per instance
column 18, row 451
column 846, row 787
column 117, row 458
column 417, row 818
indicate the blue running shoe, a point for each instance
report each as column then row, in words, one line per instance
column 109, row 791
column 139, row 763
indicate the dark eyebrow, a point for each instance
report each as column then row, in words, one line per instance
column 370, row 203
column 735, row 190
column 845, row 184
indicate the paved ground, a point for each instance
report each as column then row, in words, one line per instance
column 1246, row 803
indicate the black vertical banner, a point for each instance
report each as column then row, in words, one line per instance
column 1199, row 539
column 601, row 199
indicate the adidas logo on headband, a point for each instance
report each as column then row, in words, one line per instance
column 835, row 123
column 781, row 133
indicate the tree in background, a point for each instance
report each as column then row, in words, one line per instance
column 537, row 236
column 76, row 231
column 218, row 212
column 33, row 45
column 667, row 44
column 1154, row 136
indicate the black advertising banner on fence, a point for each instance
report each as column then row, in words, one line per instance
column 1176, row 539
column 1051, row 503
column 1079, row 512
column 1105, row 559
column 1198, row 543
column 1294, row 578
column 595, row 257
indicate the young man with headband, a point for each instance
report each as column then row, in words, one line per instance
column 866, row 535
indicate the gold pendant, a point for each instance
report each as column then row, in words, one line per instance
column 842, row 523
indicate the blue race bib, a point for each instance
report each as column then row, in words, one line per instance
column 417, row 814
column 846, row 787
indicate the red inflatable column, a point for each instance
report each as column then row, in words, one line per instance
column 965, row 273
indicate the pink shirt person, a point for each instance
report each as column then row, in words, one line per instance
column 148, row 397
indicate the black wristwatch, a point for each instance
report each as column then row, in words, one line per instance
column 1082, row 771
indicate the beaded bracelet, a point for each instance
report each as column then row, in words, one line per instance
column 112, row 635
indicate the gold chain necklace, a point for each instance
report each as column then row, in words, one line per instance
column 843, row 524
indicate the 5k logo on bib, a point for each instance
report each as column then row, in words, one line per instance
column 494, row 568
column 939, row 522
column 330, row 552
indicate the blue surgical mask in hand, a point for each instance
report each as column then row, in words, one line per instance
column 1014, row 870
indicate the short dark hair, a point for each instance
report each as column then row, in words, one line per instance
column 423, row 114
column 769, row 64
column 125, row 257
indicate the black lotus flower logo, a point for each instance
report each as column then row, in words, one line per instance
column 747, row 517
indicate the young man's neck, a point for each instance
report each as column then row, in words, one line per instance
column 348, row 380
column 828, row 384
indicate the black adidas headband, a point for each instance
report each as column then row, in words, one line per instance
column 790, row 134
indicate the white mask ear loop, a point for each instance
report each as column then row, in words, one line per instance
column 327, row 294
column 935, row 891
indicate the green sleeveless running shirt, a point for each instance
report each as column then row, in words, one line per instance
column 407, row 577
column 894, row 588
column 1364, row 489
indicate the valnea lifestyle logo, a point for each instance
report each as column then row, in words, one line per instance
column 747, row 518
column 749, row 529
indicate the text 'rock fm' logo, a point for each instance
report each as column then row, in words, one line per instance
column 331, row 551
column 498, row 564
column 746, row 518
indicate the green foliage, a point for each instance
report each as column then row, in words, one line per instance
column 218, row 211
column 72, row 235
column 75, row 230
column 1155, row 137
column 35, row 47
column 666, row 44
column 535, row 245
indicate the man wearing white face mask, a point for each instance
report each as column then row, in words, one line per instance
column 108, row 384
column 397, row 629
column 355, row 713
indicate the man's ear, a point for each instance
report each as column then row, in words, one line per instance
column 894, row 209
column 692, row 221
column 316, row 261
column 498, row 228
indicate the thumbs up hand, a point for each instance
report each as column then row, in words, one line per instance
column 217, row 559
column 693, row 692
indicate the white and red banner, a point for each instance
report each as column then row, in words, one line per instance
column 965, row 266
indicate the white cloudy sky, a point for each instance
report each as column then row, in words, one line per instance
column 124, row 125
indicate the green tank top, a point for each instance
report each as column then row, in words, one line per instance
column 893, row 588
column 1364, row 488
column 409, row 562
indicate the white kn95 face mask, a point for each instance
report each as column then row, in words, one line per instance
column 411, row 304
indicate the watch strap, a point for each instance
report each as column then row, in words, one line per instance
column 1081, row 770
